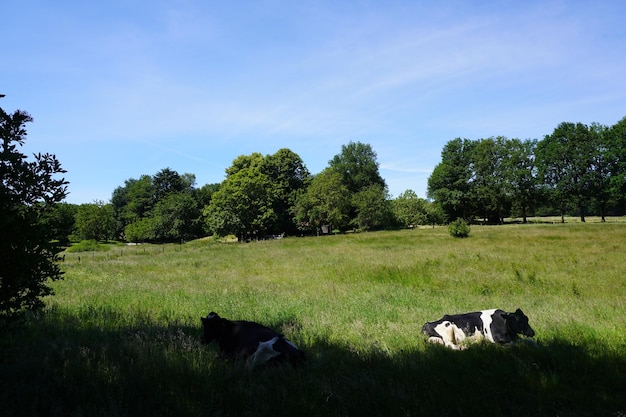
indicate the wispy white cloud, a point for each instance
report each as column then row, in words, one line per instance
column 224, row 78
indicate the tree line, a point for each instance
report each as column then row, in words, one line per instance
column 261, row 196
column 577, row 169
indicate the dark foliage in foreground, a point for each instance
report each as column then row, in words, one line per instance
column 28, row 191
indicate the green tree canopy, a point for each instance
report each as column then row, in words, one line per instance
column 143, row 208
column 577, row 167
column 449, row 183
column 616, row 140
column 357, row 166
column 244, row 162
column 95, row 221
column 325, row 202
column 28, row 191
column 373, row 208
column 176, row 218
column 134, row 200
column 250, row 210
column 243, row 206
column 166, row 182
column 61, row 220
column 488, row 190
column 142, row 230
column 520, row 175
column 289, row 177
column 204, row 194
column 565, row 161
column 603, row 164
column 410, row 210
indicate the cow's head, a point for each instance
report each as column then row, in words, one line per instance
column 213, row 327
column 517, row 323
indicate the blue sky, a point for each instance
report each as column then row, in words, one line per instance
column 118, row 89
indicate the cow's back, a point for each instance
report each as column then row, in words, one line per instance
column 243, row 337
column 468, row 322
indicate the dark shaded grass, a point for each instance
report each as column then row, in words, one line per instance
column 99, row 362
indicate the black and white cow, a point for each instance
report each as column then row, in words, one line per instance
column 252, row 342
column 496, row 326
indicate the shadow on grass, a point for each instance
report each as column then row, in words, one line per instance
column 69, row 365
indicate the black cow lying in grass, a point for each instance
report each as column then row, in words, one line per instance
column 252, row 342
column 494, row 326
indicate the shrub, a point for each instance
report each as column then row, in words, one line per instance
column 143, row 230
column 459, row 228
column 87, row 246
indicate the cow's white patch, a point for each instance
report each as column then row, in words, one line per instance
column 486, row 316
column 211, row 316
column 264, row 352
column 451, row 335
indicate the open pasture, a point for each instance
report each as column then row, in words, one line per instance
column 120, row 337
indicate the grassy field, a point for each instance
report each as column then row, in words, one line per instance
column 120, row 337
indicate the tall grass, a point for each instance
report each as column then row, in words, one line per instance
column 120, row 337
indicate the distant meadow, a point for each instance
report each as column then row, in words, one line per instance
column 121, row 335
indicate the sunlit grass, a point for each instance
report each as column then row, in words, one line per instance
column 352, row 277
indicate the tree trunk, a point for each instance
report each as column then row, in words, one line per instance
column 582, row 213
column 602, row 213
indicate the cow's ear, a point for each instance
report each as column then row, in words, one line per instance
column 512, row 322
